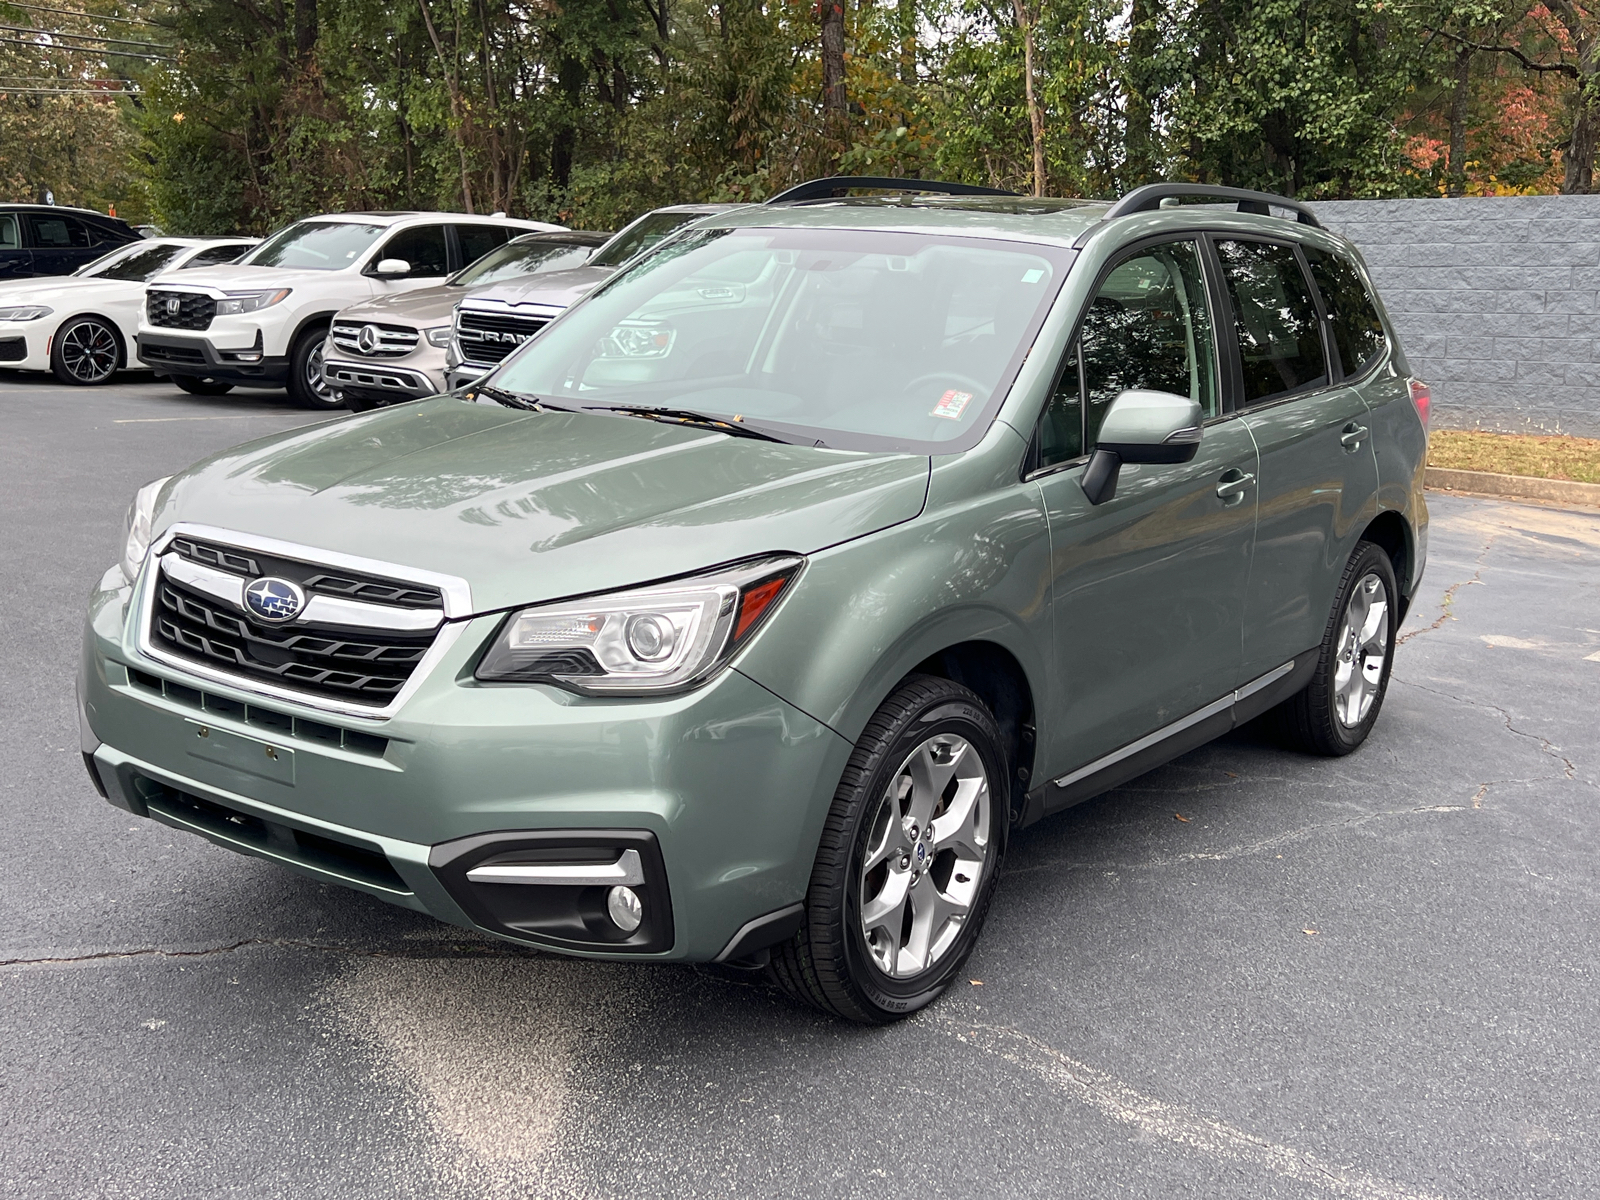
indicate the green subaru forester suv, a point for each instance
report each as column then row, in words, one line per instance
column 742, row 614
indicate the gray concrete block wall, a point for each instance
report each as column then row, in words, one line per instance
column 1496, row 301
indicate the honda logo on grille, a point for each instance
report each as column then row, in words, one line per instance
column 274, row 600
column 173, row 305
column 368, row 338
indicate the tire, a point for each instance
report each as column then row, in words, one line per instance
column 306, row 385
column 834, row 963
column 361, row 404
column 85, row 352
column 1337, row 710
column 196, row 386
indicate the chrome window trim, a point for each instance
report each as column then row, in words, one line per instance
column 457, row 606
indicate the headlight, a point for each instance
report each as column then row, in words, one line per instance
column 24, row 312
column 638, row 339
column 136, row 528
column 235, row 303
column 439, row 337
column 663, row 638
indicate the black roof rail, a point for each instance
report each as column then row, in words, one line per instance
column 1150, row 196
column 823, row 189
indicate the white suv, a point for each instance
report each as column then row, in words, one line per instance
column 261, row 322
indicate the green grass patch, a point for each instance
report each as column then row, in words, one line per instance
column 1543, row 457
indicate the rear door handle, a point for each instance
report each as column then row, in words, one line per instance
column 1240, row 483
column 1352, row 436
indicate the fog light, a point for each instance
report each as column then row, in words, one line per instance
column 625, row 908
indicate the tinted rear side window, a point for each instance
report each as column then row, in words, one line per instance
column 1280, row 345
column 59, row 233
column 1357, row 330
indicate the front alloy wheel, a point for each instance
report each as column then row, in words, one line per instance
column 907, row 861
column 85, row 352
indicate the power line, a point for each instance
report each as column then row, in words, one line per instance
column 13, row 91
column 86, row 50
column 67, row 12
column 84, row 37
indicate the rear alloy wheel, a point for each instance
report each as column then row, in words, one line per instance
column 1338, row 708
column 85, row 352
column 197, row 386
column 908, row 859
column 306, row 384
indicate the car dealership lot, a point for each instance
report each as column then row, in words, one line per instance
column 1247, row 974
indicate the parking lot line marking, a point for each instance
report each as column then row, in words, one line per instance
column 157, row 420
column 1174, row 1123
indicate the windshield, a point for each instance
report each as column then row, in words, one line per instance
column 859, row 340
column 640, row 236
column 137, row 263
column 315, row 245
column 513, row 259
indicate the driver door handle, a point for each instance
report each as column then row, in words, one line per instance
column 1352, row 436
column 1239, row 483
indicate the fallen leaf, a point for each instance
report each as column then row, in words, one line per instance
column 1311, row 932
column 1231, row 774
column 1181, row 817
column 975, row 982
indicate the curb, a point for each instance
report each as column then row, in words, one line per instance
column 1513, row 487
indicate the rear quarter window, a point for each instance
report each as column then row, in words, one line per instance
column 1357, row 329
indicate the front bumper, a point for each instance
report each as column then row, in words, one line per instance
column 190, row 354
column 730, row 783
column 384, row 379
column 24, row 345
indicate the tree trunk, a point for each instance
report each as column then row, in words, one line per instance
column 907, row 14
column 835, row 105
column 1578, row 179
column 1456, row 169
column 1035, row 113
column 1141, row 121
column 305, row 28
column 457, row 109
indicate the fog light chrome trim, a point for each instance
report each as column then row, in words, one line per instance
column 627, row 871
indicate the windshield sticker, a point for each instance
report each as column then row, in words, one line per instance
column 1032, row 276
column 951, row 405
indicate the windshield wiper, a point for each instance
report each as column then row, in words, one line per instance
column 687, row 416
column 515, row 399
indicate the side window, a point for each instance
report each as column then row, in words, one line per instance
column 422, row 247
column 59, row 233
column 213, row 256
column 1280, row 344
column 478, row 240
column 1357, row 330
column 9, row 239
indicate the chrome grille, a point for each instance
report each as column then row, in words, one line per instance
column 192, row 618
column 488, row 337
column 193, row 310
column 370, row 340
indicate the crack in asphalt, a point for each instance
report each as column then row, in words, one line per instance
column 1569, row 769
column 454, row 951
column 1176, row 1123
column 1447, row 603
column 1241, row 851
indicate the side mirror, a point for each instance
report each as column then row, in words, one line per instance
column 393, row 267
column 1142, row 427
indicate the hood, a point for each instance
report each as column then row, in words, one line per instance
column 47, row 289
column 528, row 507
column 558, row 288
column 237, row 279
column 424, row 309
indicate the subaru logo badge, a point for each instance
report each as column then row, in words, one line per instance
column 173, row 304
column 274, row 600
column 367, row 339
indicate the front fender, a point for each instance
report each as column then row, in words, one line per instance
column 974, row 567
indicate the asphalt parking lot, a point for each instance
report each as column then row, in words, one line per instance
column 1247, row 974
